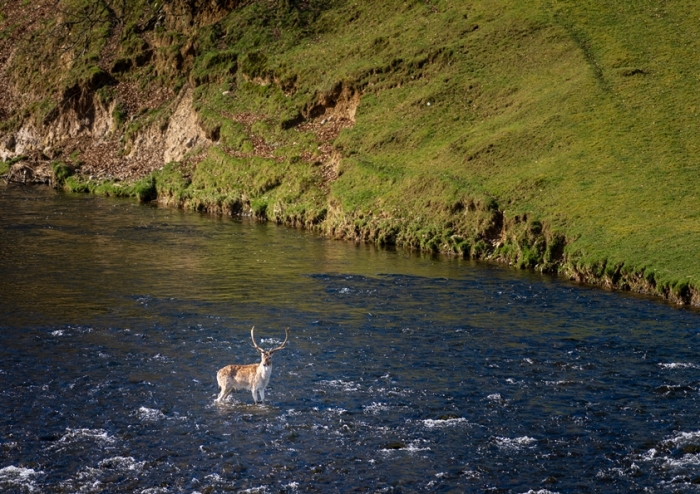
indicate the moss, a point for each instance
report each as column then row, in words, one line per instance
column 171, row 184
column 16, row 159
column 144, row 190
column 214, row 67
column 105, row 94
column 259, row 207
column 234, row 136
column 254, row 65
column 84, row 78
column 61, row 172
column 78, row 184
column 119, row 115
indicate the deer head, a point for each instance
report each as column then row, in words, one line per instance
column 266, row 355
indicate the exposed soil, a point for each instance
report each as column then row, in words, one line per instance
column 327, row 130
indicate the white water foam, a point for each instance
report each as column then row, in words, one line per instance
column 513, row 444
column 541, row 491
column 375, row 408
column 86, row 480
column 441, row 423
column 649, row 455
column 271, row 341
column 682, row 439
column 13, row 477
column 74, row 435
column 678, row 460
column 679, row 365
column 401, row 393
column 90, row 479
column 255, row 490
column 611, row 473
column 150, row 414
column 687, row 460
column 122, row 463
column 346, row 386
column 471, row 474
column 413, row 447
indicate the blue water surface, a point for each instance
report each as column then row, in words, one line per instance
column 404, row 373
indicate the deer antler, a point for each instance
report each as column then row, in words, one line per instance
column 269, row 352
column 286, row 338
column 255, row 345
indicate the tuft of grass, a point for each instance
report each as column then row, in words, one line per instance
column 61, row 172
column 144, row 190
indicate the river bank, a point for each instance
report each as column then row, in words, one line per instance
column 528, row 135
column 505, row 245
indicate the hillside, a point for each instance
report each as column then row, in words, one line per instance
column 554, row 135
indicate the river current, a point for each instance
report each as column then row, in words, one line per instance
column 404, row 373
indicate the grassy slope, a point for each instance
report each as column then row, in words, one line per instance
column 581, row 115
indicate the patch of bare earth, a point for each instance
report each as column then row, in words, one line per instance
column 327, row 130
column 261, row 149
column 105, row 158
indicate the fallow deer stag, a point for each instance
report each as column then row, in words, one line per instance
column 253, row 377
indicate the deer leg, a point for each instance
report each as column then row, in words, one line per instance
column 225, row 391
column 261, row 392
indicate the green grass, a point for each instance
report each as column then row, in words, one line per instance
column 144, row 189
column 549, row 134
column 578, row 114
column 281, row 191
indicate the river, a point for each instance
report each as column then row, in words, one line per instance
column 403, row 373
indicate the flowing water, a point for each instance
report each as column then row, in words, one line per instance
column 404, row 373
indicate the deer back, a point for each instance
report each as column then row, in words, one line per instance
column 240, row 376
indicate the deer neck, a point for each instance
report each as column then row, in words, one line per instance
column 264, row 370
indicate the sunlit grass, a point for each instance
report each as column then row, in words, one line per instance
column 580, row 115
column 554, row 120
